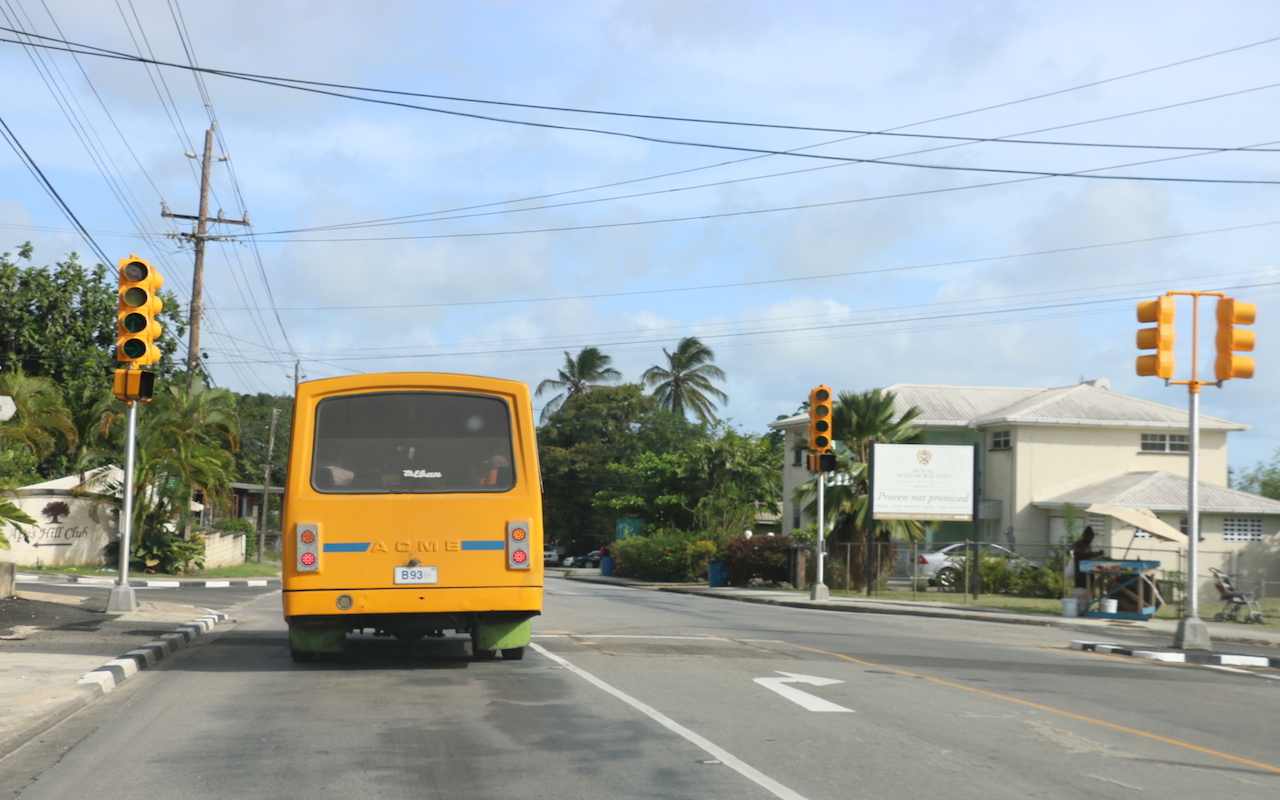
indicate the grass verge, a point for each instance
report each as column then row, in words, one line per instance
column 1046, row 605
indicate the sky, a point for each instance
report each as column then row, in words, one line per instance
column 851, row 193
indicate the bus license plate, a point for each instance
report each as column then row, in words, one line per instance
column 411, row 575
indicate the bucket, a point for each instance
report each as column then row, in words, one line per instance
column 1069, row 607
column 1108, row 605
column 606, row 566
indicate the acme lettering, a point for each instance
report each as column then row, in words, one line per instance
column 418, row 546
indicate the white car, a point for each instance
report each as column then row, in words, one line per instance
column 550, row 558
column 942, row 567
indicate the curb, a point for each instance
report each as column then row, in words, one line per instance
column 165, row 583
column 1179, row 656
column 107, row 677
column 116, row 671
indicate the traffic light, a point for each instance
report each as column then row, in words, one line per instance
column 134, row 384
column 1160, row 338
column 1231, row 339
column 137, row 328
column 820, row 419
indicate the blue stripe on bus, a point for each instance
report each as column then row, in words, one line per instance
column 346, row 547
column 484, row 544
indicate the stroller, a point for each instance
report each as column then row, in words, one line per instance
column 1233, row 600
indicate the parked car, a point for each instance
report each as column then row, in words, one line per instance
column 591, row 559
column 944, row 567
column 550, row 557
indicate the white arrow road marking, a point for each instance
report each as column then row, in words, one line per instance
column 802, row 699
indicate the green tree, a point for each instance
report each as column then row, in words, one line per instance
column 59, row 323
column 735, row 476
column 184, row 449
column 255, row 429
column 713, row 486
column 578, row 376
column 685, row 383
column 41, row 424
column 1263, row 479
column 12, row 516
column 579, row 444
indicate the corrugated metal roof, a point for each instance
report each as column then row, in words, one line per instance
column 1091, row 405
column 1161, row 491
column 956, row 406
column 1087, row 404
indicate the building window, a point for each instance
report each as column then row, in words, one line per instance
column 1001, row 440
column 1166, row 443
column 799, row 462
column 1237, row 529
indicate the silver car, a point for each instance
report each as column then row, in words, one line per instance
column 944, row 567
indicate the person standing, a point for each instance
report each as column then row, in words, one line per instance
column 1082, row 550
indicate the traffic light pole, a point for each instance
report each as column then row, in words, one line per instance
column 122, row 598
column 1192, row 632
column 819, row 590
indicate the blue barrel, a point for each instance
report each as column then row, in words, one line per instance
column 606, row 565
column 717, row 574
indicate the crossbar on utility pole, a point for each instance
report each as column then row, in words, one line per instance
column 198, row 238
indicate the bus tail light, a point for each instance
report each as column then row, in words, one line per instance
column 518, row 554
column 308, row 548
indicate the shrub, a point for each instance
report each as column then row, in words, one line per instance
column 664, row 555
column 765, row 557
column 236, row 525
column 1000, row 575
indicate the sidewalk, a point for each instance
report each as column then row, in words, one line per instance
column 60, row 652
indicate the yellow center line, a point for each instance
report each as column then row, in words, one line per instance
column 1050, row 709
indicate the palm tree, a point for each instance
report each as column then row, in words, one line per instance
column 859, row 421
column 41, row 422
column 685, row 383
column 184, row 447
column 590, row 368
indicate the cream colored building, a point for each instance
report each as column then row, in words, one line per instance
column 1039, row 450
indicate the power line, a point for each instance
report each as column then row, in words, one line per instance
column 313, row 86
column 775, row 281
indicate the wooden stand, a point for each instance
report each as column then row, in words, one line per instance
column 1130, row 583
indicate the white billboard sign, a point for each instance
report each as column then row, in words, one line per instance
column 920, row 481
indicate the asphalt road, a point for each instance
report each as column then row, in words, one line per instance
column 639, row 694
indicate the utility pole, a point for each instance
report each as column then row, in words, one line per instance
column 266, row 483
column 198, row 238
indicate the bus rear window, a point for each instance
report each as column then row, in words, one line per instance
column 412, row 442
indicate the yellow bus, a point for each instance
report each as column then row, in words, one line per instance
column 413, row 506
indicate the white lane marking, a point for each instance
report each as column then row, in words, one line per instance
column 728, row 759
column 802, row 699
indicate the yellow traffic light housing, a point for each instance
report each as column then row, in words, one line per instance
column 1160, row 338
column 137, row 329
column 1231, row 339
column 133, row 384
column 820, row 419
